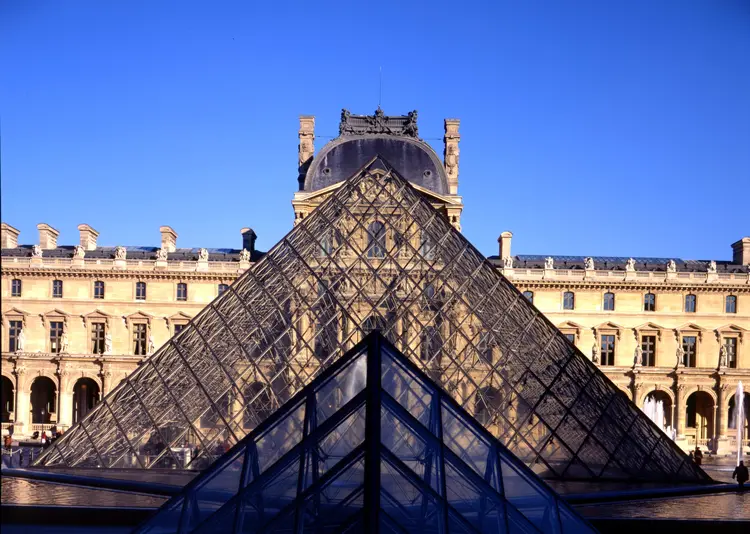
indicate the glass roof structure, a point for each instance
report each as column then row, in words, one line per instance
column 376, row 254
column 373, row 445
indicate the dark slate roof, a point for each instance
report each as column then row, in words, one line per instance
column 134, row 253
column 617, row 263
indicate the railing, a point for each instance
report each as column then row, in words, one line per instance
column 37, row 427
column 221, row 266
column 655, row 276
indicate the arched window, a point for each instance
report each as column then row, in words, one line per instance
column 690, row 302
column 731, row 304
column 529, row 295
column 649, row 302
column 569, row 300
column 609, row 301
column 376, row 240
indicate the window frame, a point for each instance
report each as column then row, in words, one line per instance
column 609, row 349
column 136, row 329
column 572, row 296
column 13, row 333
column 138, row 285
column 693, row 298
column 13, row 283
column 608, row 300
column 733, row 300
column 687, row 353
column 181, row 288
column 645, row 345
column 376, row 242
column 734, row 352
column 99, row 284
column 55, row 343
column 57, row 284
column 94, row 338
column 652, row 304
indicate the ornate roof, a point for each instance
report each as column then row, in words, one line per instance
column 379, row 123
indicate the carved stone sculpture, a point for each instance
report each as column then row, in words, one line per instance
column 508, row 262
column 107, row 343
column 671, row 266
column 203, row 255
column 162, row 254
column 549, row 262
column 410, row 128
column 589, row 264
column 712, row 266
column 21, row 341
column 451, row 161
column 637, row 357
column 630, row 265
column 36, row 251
column 244, row 255
column 151, row 347
column 723, row 356
column 79, row 252
column 64, row 342
column 306, row 150
column 595, row 353
column 680, row 354
column 121, row 253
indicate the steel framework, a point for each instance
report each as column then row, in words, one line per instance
column 374, row 255
column 370, row 445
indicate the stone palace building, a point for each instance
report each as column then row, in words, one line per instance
column 78, row 318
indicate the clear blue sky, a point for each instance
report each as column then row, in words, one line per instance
column 588, row 127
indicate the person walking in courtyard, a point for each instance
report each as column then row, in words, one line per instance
column 740, row 473
column 698, row 456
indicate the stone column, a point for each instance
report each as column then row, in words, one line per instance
column 720, row 417
column 451, row 140
column 680, row 406
column 306, row 147
column 22, row 425
column 65, row 401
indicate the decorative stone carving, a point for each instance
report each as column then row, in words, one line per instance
column 549, row 262
column 595, row 353
column 508, row 262
column 671, row 266
column 244, row 255
column 107, row 343
column 630, row 265
column 410, row 128
column 203, row 255
column 637, row 357
column 121, row 253
column 379, row 123
column 21, row 370
column 21, row 341
column 79, row 252
column 712, row 266
column 680, row 355
column 162, row 254
column 36, row 251
column 306, row 151
column 451, row 162
column 589, row 264
column 151, row 347
column 723, row 357
column 64, row 342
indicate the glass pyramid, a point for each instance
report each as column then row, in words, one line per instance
column 376, row 254
column 371, row 441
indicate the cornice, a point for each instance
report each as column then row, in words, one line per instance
column 45, row 273
column 635, row 285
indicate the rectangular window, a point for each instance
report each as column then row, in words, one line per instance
column 731, row 345
column 690, row 346
column 98, row 290
column 97, row 338
column 140, row 291
column 222, row 289
column 609, row 302
column 179, row 328
column 571, row 338
column 690, row 303
column 57, row 289
column 15, row 290
column 648, row 346
column 569, row 300
column 139, row 339
column 731, row 305
column 55, row 336
column 181, row 291
column 14, row 330
column 608, row 350
column 649, row 302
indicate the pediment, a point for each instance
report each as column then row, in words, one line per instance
column 15, row 312
column 608, row 325
column 137, row 317
column 96, row 314
column 648, row 326
column 569, row 324
column 690, row 326
column 178, row 317
column 56, row 312
column 731, row 328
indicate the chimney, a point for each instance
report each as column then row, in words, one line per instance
column 47, row 236
column 306, row 147
column 88, row 236
column 248, row 239
column 168, row 238
column 740, row 251
column 504, row 241
column 9, row 236
column 450, row 154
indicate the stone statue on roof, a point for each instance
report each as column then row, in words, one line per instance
column 36, row 251
column 712, row 266
column 410, row 128
column 79, row 252
column 162, row 254
column 588, row 264
column 508, row 262
column 630, row 265
column 244, row 255
column 203, row 254
column 671, row 266
column 549, row 262
column 121, row 253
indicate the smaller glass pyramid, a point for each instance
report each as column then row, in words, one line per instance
column 370, row 445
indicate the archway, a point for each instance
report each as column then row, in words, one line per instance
column 657, row 405
column 85, row 397
column 732, row 417
column 43, row 401
column 700, row 418
column 8, row 396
